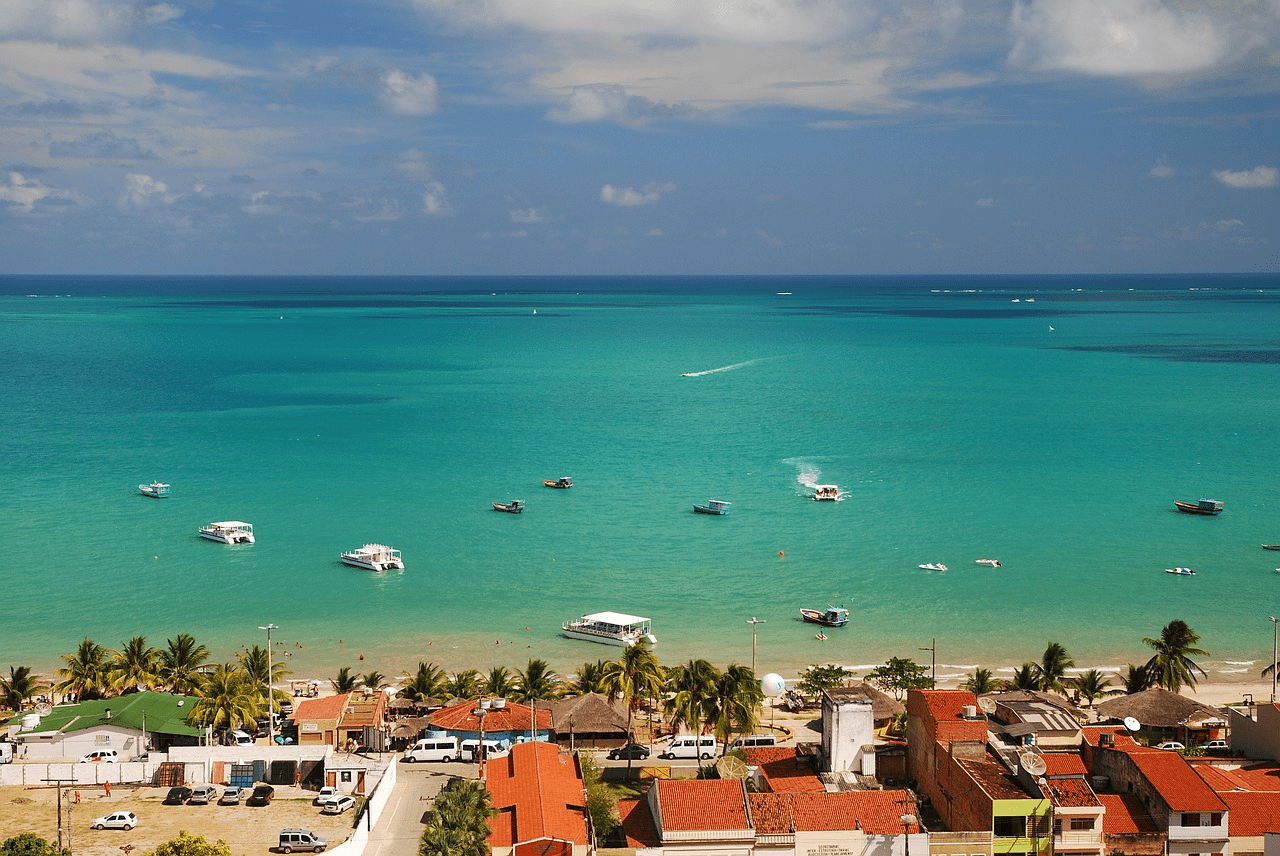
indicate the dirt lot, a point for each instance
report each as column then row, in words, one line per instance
column 249, row 831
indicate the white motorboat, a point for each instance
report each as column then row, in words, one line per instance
column 1182, row 572
column 933, row 566
column 995, row 563
column 610, row 628
column 228, row 532
column 158, row 490
column 374, row 557
column 712, row 506
column 827, row 493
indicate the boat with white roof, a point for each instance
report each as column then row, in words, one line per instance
column 374, row 557
column 712, row 506
column 157, row 490
column 228, row 532
column 610, row 628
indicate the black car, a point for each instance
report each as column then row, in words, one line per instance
column 634, row 751
column 177, row 796
column 261, row 795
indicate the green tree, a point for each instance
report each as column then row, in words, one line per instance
column 464, row 684
column 86, row 673
column 20, row 686
column 980, row 682
column 1026, row 677
column 30, row 844
column 693, row 691
column 535, row 683
column 588, row 676
column 602, row 805
column 498, row 682
column 187, row 844
column 1093, row 686
column 228, row 696
column 179, row 665
column 1135, row 679
column 634, row 676
column 736, row 704
column 459, row 822
column 254, row 663
column 1052, row 668
column 1172, row 667
column 817, row 679
column 900, row 674
column 375, row 680
column 426, row 683
column 345, row 682
column 136, row 665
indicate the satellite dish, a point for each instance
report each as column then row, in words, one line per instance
column 731, row 767
column 987, row 704
column 1033, row 764
column 44, row 708
column 773, row 684
column 1132, row 724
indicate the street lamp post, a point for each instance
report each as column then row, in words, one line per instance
column 271, row 702
column 753, row 621
column 933, row 662
column 1275, row 636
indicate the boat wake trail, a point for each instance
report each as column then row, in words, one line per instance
column 808, row 477
column 721, row 369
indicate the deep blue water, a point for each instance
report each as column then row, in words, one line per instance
column 1053, row 435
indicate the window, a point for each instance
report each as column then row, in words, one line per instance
column 1057, row 827
column 1038, row 825
column 1191, row 818
column 1009, row 827
column 346, row 775
column 1081, row 823
column 1215, row 819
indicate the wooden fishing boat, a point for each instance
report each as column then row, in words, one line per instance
column 1204, row 506
column 560, row 484
column 834, row 616
column 515, row 506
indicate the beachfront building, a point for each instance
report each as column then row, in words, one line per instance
column 848, row 731
column 498, row 718
column 129, row 725
column 1078, row 814
column 1166, row 715
column 589, row 719
column 1043, row 720
column 317, row 719
column 1256, row 734
column 541, row 801
column 365, row 720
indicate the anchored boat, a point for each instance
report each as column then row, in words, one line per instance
column 158, row 490
column 834, row 616
column 1204, row 506
column 228, row 532
column 610, row 628
column 374, row 557
column 712, row 506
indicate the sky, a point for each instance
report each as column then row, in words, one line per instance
column 582, row 137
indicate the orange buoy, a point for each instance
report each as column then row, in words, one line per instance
column 781, row 555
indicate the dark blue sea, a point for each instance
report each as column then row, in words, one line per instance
column 1048, row 422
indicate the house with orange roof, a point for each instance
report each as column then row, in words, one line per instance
column 1077, row 811
column 1127, row 827
column 502, row 720
column 701, row 815
column 781, row 769
column 318, row 718
column 363, row 711
column 541, row 802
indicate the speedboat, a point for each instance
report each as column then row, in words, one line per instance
column 374, row 557
column 610, row 628
column 1204, row 506
column 515, row 506
column 995, row 563
column 1271, row 546
column 826, row 492
column 560, row 483
column 228, row 532
column 156, row 489
column 712, row 506
column 835, row 616
column 1182, row 572
column 933, row 566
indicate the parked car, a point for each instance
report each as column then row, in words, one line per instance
column 116, row 820
column 202, row 795
column 177, row 796
column 231, row 796
column 106, row 756
column 338, row 805
column 631, row 750
column 1217, row 746
column 328, row 792
column 1173, row 745
column 301, row 839
column 261, row 795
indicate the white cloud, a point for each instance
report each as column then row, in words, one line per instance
column 143, row 191
column 435, row 201
column 412, row 163
column 629, row 197
column 79, row 21
column 1162, row 168
column 985, row 202
column 409, row 94
column 601, row 103
column 527, row 215
column 1124, row 37
column 1259, row 176
column 23, row 194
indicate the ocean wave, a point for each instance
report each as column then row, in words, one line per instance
column 956, row 666
column 1231, row 671
column 1240, row 662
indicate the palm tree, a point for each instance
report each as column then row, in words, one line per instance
column 1026, row 677
column 374, row 680
column 1053, row 667
column 1171, row 667
column 459, row 822
column 464, row 684
column 980, row 682
column 86, row 673
column 135, row 666
column 345, row 682
column 229, row 696
column 1135, row 679
column 254, row 663
column 736, row 702
column 536, row 683
column 1092, row 685
column 587, row 679
column 497, row 683
column 426, row 683
column 179, row 664
column 20, row 686
column 693, row 687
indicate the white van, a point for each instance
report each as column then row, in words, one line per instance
column 239, row 738
column 433, row 749
column 492, row 749
column 751, row 741
column 6, row 752
column 689, row 746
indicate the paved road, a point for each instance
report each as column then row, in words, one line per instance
column 400, row 828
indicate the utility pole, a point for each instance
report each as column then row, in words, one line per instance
column 1275, row 636
column 57, row 783
column 933, row 662
column 271, row 702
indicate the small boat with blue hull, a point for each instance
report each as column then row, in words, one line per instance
column 515, row 506
column 1204, row 506
column 834, row 616
column 712, row 506
column 157, row 490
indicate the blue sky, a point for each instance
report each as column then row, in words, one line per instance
column 639, row 136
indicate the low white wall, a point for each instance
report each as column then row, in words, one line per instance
column 354, row 846
column 90, row 774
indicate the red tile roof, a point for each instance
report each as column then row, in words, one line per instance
column 637, row 824
column 1126, row 815
column 1177, row 784
column 1253, row 812
column 324, row 707
column 511, row 717
column 874, row 812
column 994, row 780
column 1119, row 736
column 946, row 707
column 1255, row 777
column 1064, row 764
column 783, row 770
column 1069, row 792
column 702, row 804
column 362, row 710
column 539, row 795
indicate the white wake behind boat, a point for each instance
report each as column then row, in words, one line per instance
column 228, row 532
column 374, row 557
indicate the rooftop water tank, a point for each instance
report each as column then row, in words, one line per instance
column 30, row 722
column 499, row 703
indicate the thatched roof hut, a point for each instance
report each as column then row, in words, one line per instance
column 1160, row 708
column 591, row 718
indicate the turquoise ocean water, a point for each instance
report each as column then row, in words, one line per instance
column 1051, row 434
